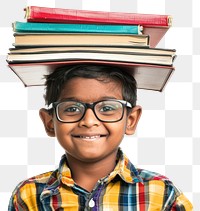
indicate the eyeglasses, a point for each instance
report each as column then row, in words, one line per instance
column 105, row 111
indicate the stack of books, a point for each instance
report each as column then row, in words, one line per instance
column 53, row 37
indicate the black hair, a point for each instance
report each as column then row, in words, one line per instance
column 56, row 80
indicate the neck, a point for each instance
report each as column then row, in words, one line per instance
column 87, row 174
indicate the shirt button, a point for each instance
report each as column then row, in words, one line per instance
column 91, row 203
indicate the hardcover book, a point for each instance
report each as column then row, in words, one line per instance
column 74, row 39
column 143, row 58
column 58, row 15
column 108, row 48
column 75, row 28
column 151, row 77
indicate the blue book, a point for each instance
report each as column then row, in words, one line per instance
column 75, row 28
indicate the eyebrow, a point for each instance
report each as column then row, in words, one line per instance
column 79, row 100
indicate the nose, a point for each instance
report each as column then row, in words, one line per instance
column 89, row 119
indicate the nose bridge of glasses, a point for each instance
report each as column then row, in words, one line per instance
column 89, row 110
column 89, row 106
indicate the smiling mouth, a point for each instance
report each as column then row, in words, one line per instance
column 89, row 138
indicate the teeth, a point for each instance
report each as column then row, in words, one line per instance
column 90, row 137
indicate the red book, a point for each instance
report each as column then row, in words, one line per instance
column 154, row 25
column 44, row 14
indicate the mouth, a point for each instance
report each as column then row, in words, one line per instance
column 88, row 137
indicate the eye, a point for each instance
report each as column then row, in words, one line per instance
column 70, row 109
column 107, row 108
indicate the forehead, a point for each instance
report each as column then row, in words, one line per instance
column 86, row 90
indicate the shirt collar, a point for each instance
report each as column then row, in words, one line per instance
column 124, row 168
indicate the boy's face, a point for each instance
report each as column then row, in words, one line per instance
column 90, row 140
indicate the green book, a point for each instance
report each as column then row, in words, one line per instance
column 76, row 28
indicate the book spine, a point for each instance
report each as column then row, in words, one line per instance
column 75, row 28
column 44, row 14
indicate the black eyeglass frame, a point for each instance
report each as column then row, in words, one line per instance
column 54, row 106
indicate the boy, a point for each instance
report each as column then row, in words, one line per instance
column 91, row 107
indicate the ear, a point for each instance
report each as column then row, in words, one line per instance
column 132, row 120
column 47, row 120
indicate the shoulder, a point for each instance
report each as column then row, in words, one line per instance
column 158, row 184
column 37, row 182
column 163, row 188
column 28, row 192
column 147, row 175
column 155, row 179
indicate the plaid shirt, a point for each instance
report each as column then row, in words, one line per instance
column 126, row 188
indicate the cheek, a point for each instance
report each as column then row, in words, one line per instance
column 62, row 129
column 62, row 132
column 117, row 130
